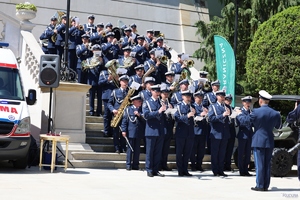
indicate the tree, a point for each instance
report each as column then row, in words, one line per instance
column 273, row 58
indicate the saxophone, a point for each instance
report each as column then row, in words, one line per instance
column 150, row 70
column 126, row 101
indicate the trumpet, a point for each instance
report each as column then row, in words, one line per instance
column 80, row 27
column 189, row 63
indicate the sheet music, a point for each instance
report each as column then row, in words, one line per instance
column 185, row 57
column 176, row 77
column 159, row 53
column 234, row 114
column 199, row 118
column 135, row 85
column 170, row 111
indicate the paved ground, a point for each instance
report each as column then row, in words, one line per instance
column 82, row 183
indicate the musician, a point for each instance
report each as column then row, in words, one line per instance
column 133, row 128
column 60, row 31
column 114, row 103
column 231, row 139
column 154, row 132
column 107, row 85
column 169, row 80
column 126, row 55
column 244, row 139
column 44, row 44
column 90, row 27
column 160, row 69
column 146, row 93
column 92, row 79
column 177, row 96
column 219, row 121
column 110, row 49
column 141, row 50
column 150, row 36
column 184, row 133
column 83, row 52
column 177, row 67
column 168, row 126
column 134, row 30
column 201, row 131
column 210, row 97
column 97, row 37
column 49, row 33
column 74, row 39
column 128, row 39
column 264, row 120
column 199, row 84
column 162, row 46
column 109, row 27
column 139, row 73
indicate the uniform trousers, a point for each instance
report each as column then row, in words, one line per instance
column 165, row 150
column 132, row 158
column 244, row 154
column 228, row 154
column 184, row 148
column 262, row 157
column 198, row 150
column 153, row 152
column 95, row 89
column 107, row 116
column 218, row 150
column 298, row 164
column 72, row 59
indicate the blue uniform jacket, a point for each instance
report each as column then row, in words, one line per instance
column 61, row 30
column 135, row 78
column 75, row 37
column 168, row 121
column 130, row 70
column 141, row 54
column 185, row 125
column 209, row 98
column 159, row 73
column 293, row 115
column 245, row 131
column 107, row 86
column 83, row 53
column 96, row 38
column 49, row 33
column 154, row 119
column 145, row 94
column 110, row 51
column 176, row 98
column 167, row 53
column 200, row 126
column 219, row 124
column 264, row 119
column 132, row 124
column 116, row 98
column 91, row 28
column 176, row 68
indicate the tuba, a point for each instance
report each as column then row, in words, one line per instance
column 126, row 101
column 91, row 63
column 112, row 66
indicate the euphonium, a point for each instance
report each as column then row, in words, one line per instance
column 91, row 63
column 112, row 66
column 128, row 62
column 126, row 101
column 150, row 70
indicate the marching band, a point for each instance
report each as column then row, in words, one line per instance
column 145, row 96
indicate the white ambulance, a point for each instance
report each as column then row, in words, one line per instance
column 14, row 114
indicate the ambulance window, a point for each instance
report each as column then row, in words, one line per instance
column 10, row 84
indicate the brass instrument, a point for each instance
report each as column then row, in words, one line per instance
column 91, row 63
column 128, row 62
column 150, row 70
column 164, row 59
column 185, row 74
column 126, row 101
column 189, row 63
column 207, row 87
column 80, row 27
column 58, row 15
column 112, row 66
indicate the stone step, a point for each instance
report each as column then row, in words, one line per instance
column 94, row 133
column 94, row 126
column 93, row 119
column 87, row 106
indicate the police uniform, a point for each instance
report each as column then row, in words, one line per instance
column 169, row 84
column 177, row 96
column 90, row 28
column 44, row 45
column 107, row 88
column 49, row 33
column 137, row 79
column 244, row 137
column 264, row 120
column 141, row 53
column 130, row 69
column 149, row 40
column 199, row 86
column 210, row 97
column 82, row 53
column 219, row 135
column 184, row 136
column 134, row 128
column 109, row 50
column 154, row 134
column 159, row 73
column 176, row 67
column 291, row 118
column 231, row 139
column 166, row 52
column 200, row 130
column 60, row 41
column 114, row 102
column 97, row 38
column 146, row 94
column 168, row 130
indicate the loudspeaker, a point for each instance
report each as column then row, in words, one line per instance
column 49, row 71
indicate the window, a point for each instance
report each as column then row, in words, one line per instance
column 10, row 84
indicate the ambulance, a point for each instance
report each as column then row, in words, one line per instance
column 14, row 114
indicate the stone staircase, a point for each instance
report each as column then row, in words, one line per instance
column 101, row 152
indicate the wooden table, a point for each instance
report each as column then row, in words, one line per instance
column 54, row 139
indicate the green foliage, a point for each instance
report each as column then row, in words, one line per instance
column 26, row 6
column 274, row 55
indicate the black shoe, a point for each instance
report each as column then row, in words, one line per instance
column 187, row 174
column 117, row 151
column 227, row 169
column 223, row 174
column 193, row 169
column 158, row 174
column 106, row 135
column 166, row 169
column 242, row 174
column 265, row 189
column 258, row 189
column 128, row 168
column 92, row 114
column 135, row 168
column 248, row 174
column 180, row 174
column 216, row 174
column 200, row 169
column 149, row 174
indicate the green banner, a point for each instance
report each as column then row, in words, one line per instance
column 225, row 61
